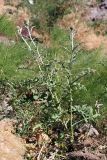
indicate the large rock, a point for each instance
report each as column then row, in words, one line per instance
column 98, row 12
column 11, row 146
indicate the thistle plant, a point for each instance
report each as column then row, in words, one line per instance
column 60, row 82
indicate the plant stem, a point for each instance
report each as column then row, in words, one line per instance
column 71, row 116
column 72, row 34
